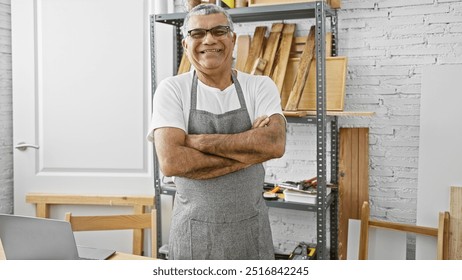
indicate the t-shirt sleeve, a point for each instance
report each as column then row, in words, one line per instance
column 167, row 108
column 268, row 100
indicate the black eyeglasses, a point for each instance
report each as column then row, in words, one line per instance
column 217, row 32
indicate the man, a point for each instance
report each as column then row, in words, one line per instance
column 212, row 129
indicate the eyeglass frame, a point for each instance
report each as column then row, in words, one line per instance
column 228, row 29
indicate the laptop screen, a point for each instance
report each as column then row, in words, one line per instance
column 31, row 238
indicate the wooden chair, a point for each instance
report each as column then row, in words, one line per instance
column 118, row 222
column 441, row 233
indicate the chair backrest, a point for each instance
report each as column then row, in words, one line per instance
column 119, row 222
column 442, row 232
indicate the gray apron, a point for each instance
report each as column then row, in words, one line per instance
column 225, row 217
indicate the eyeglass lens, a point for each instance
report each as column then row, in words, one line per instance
column 217, row 31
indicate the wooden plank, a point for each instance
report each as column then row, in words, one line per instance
column 353, row 179
column 336, row 70
column 258, row 67
column 243, row 46
column 138, row 234
column 354, row 173
column 42, row 210
column 430, row 231
column 185, row 64
column 111, row 200
column 304, row 67
column 363, row 164
column 271, row 47
column 279, row 71
column 443, row 236
column 298, row 44
column 364, row 232
column 344, row 201
column 455, row 224
column 256, row 47
column 114, row 222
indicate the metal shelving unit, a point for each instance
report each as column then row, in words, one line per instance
column 320, row 11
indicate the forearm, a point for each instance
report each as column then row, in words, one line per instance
column 253, row 146
column 193, row 164
column 176, row 159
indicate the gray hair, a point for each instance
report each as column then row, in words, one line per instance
column 202, row 10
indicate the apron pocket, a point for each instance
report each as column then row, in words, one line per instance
column 225, row 241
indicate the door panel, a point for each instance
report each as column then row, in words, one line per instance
column 81, row 93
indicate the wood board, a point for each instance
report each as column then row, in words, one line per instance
column 258, row 67
column 271, row 47
column 280, row 68
column 242, row 52
column 185, row 64
column 299, row 42
column 336, row 68
column 353, row 179
column 256, row 47
column 302, row 72
column 455, row 224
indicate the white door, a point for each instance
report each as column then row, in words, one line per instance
column 82, row 96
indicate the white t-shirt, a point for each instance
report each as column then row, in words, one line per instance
column 172, row 99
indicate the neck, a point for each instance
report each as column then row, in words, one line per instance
column 216, row 80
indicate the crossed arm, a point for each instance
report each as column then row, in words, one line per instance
column 206, row 156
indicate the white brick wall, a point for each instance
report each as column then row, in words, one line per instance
column 6, row 126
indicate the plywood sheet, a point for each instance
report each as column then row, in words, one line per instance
column 299, row 42
column 336, row 68
column 353, row 179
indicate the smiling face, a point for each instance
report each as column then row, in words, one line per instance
column 210, row 55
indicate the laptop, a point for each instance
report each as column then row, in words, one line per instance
column 32, row 238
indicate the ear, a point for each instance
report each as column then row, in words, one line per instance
column 185, row 45
column 234, row 38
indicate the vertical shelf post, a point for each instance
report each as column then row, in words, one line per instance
column 321, row 228
column 157, row 186
column 334, row 158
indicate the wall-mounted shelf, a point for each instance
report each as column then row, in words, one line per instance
column 257, row 13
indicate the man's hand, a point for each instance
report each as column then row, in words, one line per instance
column 261, row 121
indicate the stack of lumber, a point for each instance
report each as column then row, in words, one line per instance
column 290, row 61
